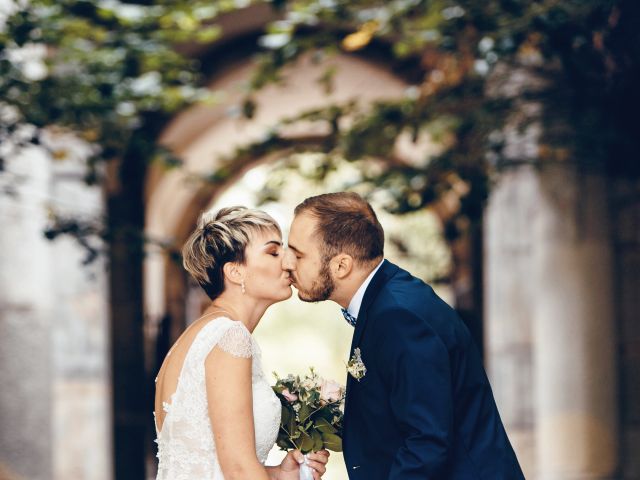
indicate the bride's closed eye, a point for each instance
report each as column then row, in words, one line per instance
column 274, row 252
column 273, row 248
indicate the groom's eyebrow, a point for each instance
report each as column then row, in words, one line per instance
column 294, row 248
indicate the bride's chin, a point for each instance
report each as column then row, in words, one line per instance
column 287, row 294
column 281, row 296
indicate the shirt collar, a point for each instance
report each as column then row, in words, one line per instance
column 356, row 301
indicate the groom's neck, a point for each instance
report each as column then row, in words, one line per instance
column 347, row 287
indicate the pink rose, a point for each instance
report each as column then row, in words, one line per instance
column 330, row 391
column 291, row 397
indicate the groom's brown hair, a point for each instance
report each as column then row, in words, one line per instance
column 346, row 224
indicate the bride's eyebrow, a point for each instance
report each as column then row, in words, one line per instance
column 273, row 242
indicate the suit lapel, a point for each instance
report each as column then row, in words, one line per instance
column 382, row 276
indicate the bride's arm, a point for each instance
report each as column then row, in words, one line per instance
column 229, row 397
column 230, row 404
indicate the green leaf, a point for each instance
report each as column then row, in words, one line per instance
column 318, row 442
column 307, row 443
column 283, row 442
column 286, row 417
column 332, row 442
column 249, row 108
column 304, row 412
column 292, row 424
column 324, row 426
column 208, row 34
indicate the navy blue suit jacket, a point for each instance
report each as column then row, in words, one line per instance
column 424, row 409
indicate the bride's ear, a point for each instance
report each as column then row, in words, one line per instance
column 233, row 273
column 341, row 265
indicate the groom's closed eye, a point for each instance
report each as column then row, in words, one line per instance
column 297, row 252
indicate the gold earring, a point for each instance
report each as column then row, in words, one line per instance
column 244, row 290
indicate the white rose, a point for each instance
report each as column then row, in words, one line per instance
column 330, row 391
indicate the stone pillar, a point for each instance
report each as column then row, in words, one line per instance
column 54, row 395
column 575, row 352
column 25, row 328
column 509, row 300
column 510, row 297
column 81, row 406
column 550, row 312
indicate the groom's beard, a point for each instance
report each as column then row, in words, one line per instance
column 321, row 288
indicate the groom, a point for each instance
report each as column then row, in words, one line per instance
column 423, row 408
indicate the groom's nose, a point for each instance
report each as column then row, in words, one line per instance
column 288, row 260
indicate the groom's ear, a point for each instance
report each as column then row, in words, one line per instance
column 341, row 265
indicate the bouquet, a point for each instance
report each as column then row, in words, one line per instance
column 312, row 411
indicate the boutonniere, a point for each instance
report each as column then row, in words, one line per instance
column 356, row 367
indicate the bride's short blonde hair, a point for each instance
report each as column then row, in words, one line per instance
column 219, row 238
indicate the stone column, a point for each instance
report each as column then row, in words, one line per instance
column 25, row 328
column 54, row 395
column 550, row 310
column 575, row 354
column 508, row 307
column 509, row 248
column 81, row 405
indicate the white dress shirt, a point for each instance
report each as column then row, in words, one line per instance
column 356, row 301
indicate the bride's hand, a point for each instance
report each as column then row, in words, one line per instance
column 290, row 466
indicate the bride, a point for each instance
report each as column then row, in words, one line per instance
column 216, row 414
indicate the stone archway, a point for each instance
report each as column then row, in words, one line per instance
column 202, row 136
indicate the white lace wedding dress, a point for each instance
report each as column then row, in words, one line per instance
column 186, row 448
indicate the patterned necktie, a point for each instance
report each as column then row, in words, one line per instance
column 348, row 317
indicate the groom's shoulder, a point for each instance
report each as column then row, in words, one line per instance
column 405, row 303
column 403, row 286
column 405, row 292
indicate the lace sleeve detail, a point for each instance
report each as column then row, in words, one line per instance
column 237, row 341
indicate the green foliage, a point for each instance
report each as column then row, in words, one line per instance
column 453, row 51
column 114, row 73
column 103, row 70
column 111, row 73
